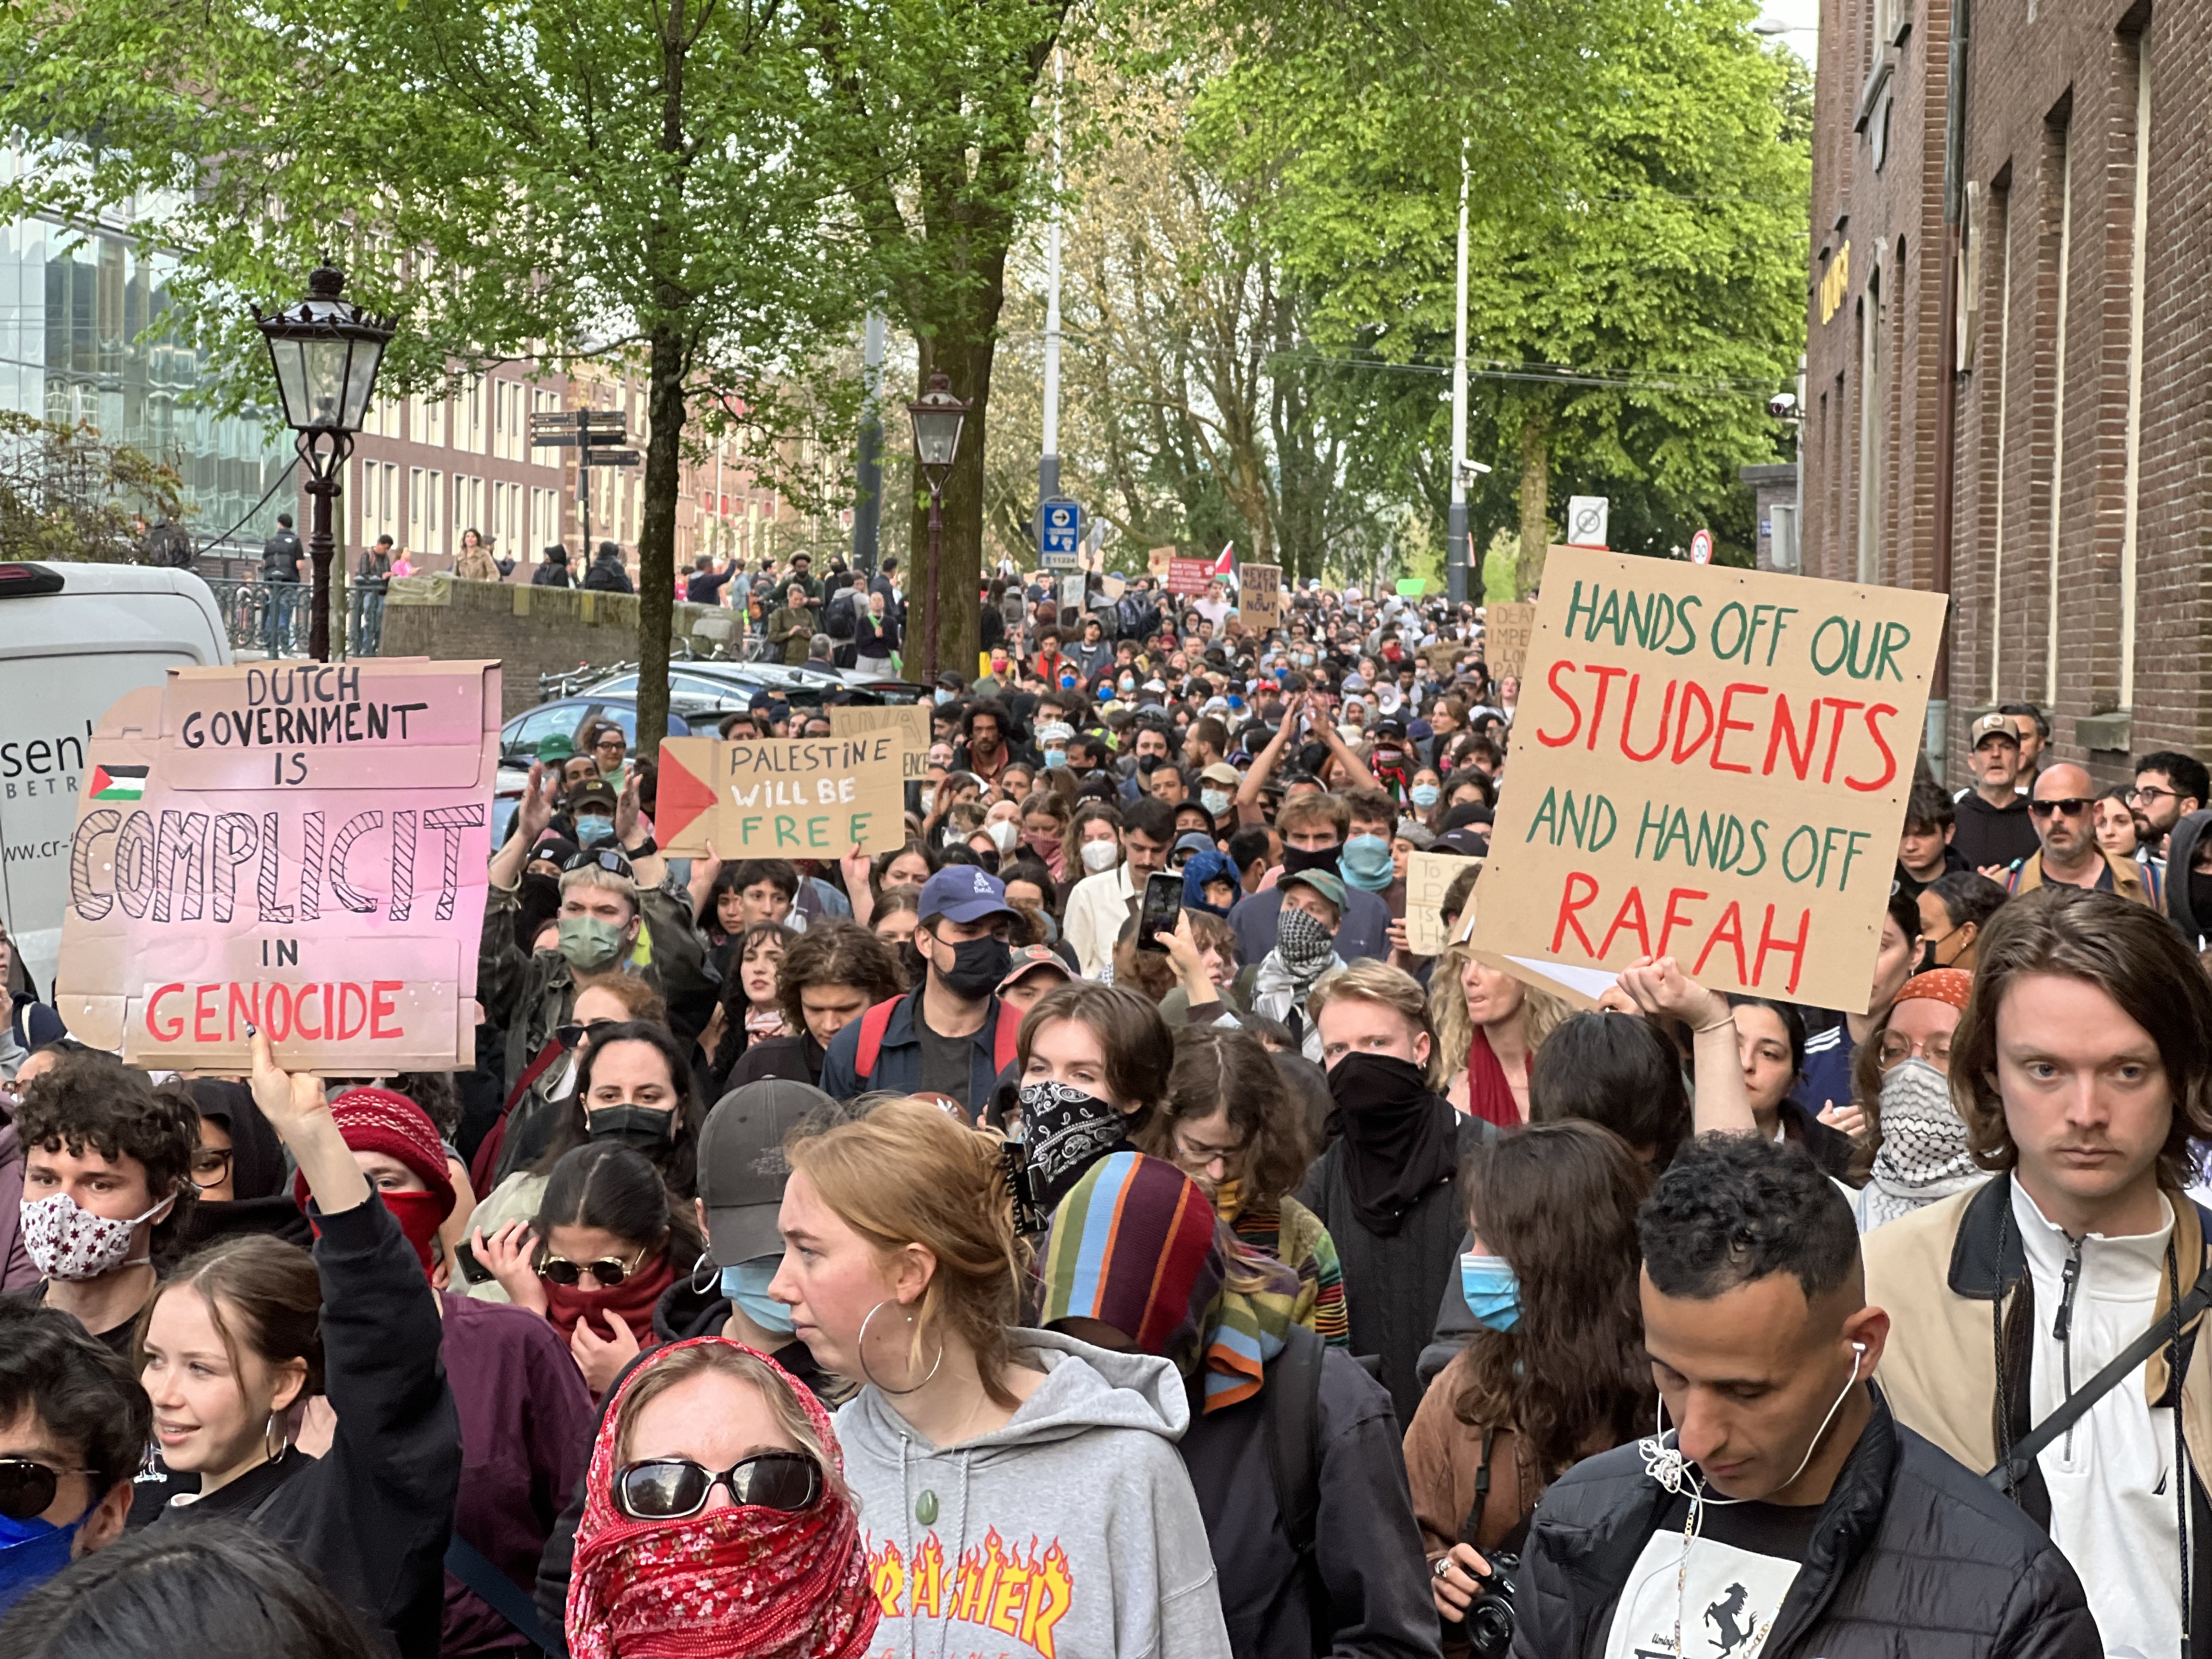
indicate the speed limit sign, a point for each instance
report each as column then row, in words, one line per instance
column 1701, row 547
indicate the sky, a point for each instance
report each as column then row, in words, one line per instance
column 1804, row 17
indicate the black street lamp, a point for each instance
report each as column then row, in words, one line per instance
column 326, row 351
column 937, row 416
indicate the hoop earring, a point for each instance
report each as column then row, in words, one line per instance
column 692, row 1282
column 274, row 1440
column 860, row 1348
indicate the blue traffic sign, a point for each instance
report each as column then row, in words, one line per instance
column 1063, row 529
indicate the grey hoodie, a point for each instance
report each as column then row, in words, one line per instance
column 1072, row 1533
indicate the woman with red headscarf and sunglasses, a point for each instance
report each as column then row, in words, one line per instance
column 717, row 1522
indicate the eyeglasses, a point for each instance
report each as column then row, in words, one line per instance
column 675, row 1488
column 1897, row 1049
column 1192, row 1155
column 28, row 1488
column 211, row 1166
column 2150, row 793
column 2073, row 806
column 609, row 1270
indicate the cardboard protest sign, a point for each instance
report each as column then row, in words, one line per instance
column 1429, row 876
column 1261, row 601
column 1506, row 629
column 300, row 846
column 910, row 720
column 1158, row 559
column 1712, row 764
column 811, row 798
column 1189, row 577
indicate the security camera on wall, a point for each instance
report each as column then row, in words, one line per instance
column 1783, row 405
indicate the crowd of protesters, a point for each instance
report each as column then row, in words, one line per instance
column 1091, row 1228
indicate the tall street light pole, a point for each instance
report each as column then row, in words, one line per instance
column 1048, row 463
column 1456, row 548
column 868, row 492
column 327, row 352
column 937, row 416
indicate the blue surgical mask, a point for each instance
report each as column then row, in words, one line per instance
column 1425, row 795
column 1056, row 757
column 592, row 828
column 32, row 1551
column 1493, row 1291
column 1365, row 863
column 745, row 1283
column 942, row 696
column 1215, row 801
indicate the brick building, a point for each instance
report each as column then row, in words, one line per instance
column 2076, row 406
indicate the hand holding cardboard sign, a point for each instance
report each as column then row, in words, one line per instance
column 295, row 1106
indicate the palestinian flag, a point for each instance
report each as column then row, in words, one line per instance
column 118, row 782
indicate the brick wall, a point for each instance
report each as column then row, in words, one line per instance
column 2045, row 485
column 529, row 631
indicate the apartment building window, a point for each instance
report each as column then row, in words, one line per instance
column 1994, row 457
column 2133, row 488
column 415, row 508
column 1872, row 400
column 433, row 530
column 2062, row 156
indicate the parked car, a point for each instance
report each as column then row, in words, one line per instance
column 570, row 717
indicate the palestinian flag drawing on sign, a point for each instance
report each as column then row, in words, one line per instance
column 118, row 782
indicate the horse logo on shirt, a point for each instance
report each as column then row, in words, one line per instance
column 1722, row 1616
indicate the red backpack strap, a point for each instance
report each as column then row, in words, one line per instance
column 873, row 1025
column 1008, row 1036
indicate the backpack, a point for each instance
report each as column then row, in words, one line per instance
column 877, row 1020
column 842, row 624
column 1290, row 1407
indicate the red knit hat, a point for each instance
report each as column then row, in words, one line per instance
column 380, row 1121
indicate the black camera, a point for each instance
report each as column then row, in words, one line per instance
column 1487, row 1626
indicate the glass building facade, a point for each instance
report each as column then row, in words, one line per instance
column 81, row 339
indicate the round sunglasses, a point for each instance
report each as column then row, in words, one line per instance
column 675, row 1488
column 27, row 1487
column 609, row 1270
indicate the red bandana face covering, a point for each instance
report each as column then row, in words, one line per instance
column 734, row 1582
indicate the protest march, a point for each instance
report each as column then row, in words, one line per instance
column 1266, row 1120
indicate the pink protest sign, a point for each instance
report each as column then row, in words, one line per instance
column 300, row 846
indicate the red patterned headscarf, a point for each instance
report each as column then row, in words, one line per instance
column 732, row 1581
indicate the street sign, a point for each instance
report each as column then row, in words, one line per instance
column 611, row 457
column 556, row 439
column 1062, row 539
column 1586, row 520
column 1701, row 547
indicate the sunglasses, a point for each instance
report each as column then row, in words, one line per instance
column 609, row 1270
column 605, row 858
column 2073, row 806
column 569, row 1035
column 675, row 1488
column 28, row 1488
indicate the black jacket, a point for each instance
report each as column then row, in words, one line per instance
column 607, row 576
column 550, row 575
column 1985, row 835
column 2180, row 853
column 1367, row 1555
column 280, row 557
column 1911, row 1555
column 372, row 1515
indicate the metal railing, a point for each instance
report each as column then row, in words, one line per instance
column 272, row 617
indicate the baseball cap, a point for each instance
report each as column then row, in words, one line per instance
column 1222, row 772
column 555, row 748
column 1993, row 726
column 597, row 793
column 1321, row 882
column 742, row 1168
column 1030, row 957
column 963, row 893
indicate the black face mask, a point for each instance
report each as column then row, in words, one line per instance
column 2200, row 898
column 640, row 1128
column 1148, row 764
column 1298, row 860
column 978, row 965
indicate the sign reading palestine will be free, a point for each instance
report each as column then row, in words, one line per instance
column 1712, row 764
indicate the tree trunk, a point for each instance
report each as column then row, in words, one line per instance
column 1536, row 494
column 656, row 537
column 958, row 579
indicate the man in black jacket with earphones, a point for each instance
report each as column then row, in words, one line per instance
column 1785, row 1513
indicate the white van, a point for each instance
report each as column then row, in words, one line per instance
column 73, row 639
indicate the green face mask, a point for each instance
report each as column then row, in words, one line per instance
column 588, row 943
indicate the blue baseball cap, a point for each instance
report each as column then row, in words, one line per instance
column 963, row 893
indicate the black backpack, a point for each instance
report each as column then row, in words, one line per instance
column 842, row 624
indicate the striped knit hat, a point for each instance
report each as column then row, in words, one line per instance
column 1132, row 1247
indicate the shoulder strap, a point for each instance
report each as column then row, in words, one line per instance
column 1290, row 1403
column 469, row 1564
column 2013, row 1469
column 1004, row 1039
column 543, row 1059
column 873, row 1025
column 1473, row 1524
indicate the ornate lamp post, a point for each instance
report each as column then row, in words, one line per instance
column 937, row 416
column 327, row 352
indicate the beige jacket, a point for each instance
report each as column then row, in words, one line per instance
column 1934, row 1273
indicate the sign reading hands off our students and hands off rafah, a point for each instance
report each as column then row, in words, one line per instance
column 809, row 798
column 300, row 846
column 1712, row 764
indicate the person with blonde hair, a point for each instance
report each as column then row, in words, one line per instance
column 1489, row 1026
column 1019, row 1491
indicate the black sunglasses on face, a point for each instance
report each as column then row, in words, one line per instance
column 2073, row 806
column 27, row 1487
column 675, row 1488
